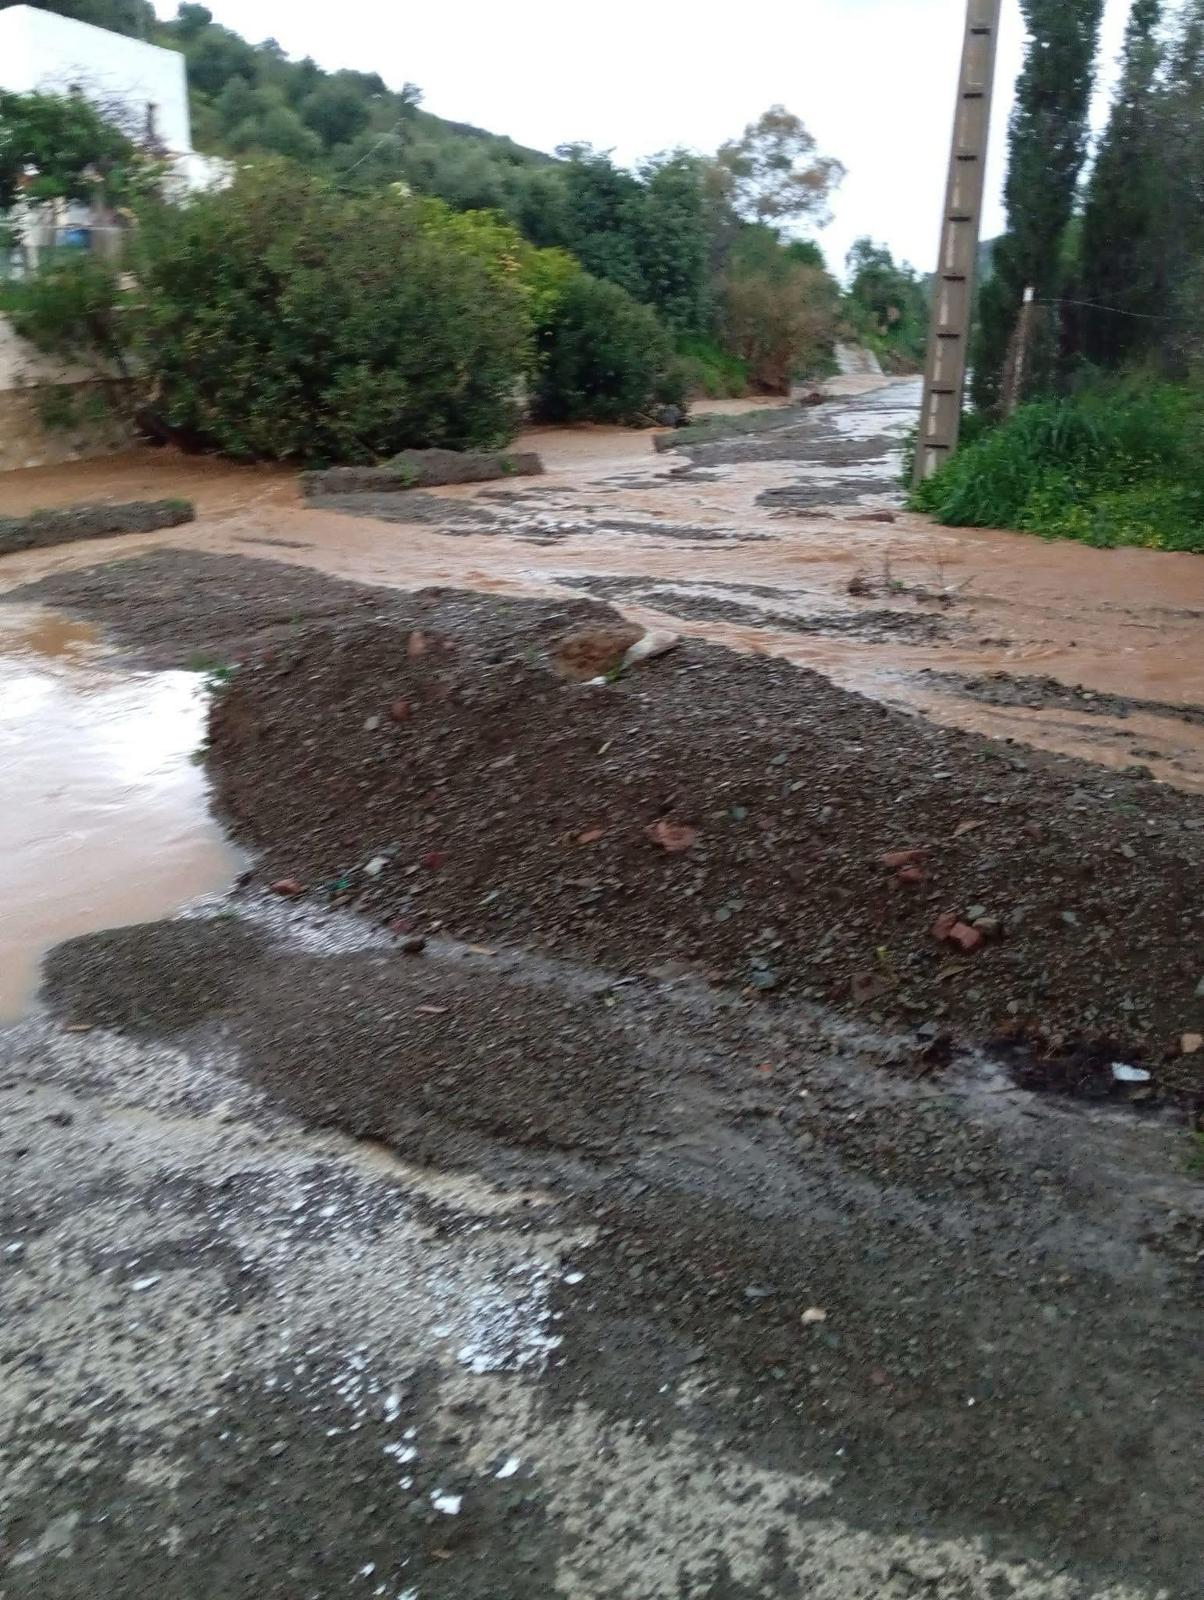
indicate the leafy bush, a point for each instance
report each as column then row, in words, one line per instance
column 281, row 320
column 710, row 370
column 605, row 358
column 1116, row 466
column 779, row 319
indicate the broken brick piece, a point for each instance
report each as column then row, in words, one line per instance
column 964, row 936
column 944, row 926
column 894, row 859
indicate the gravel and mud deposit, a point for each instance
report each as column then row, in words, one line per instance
column 67, row 524
column 567, row 1164
column 418, row 757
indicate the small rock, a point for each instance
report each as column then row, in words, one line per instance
column 414, row 945
column 399, row 711
column 913, row 877
column 1190, row 1043
column 371, row 724
column 944, row 925
column 1070, row 918
column 813, row 1316
column 759, row 1291
column 433, row 860
column 989, row 927
column 975, row 912
column 965, row 937
column 416, row 645
column 289, row 887
column 376, row 866
column 278, row 1448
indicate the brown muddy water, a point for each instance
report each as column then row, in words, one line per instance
column 104, row 816
column 752, row 543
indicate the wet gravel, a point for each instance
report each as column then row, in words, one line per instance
column 698, row 603
column 1037, row 693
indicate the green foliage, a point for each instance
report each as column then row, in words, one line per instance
column 1120, row 277
column 71, row 309
column 886, row 306
column 59, row 147
column 778, row 315
column 710, row 370
column 605, row 358
column 672, row 243
column 281, row 320
column 1047, row 144
column 1119, row 465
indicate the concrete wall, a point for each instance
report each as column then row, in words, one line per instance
column 29, row 383
column 42, row 51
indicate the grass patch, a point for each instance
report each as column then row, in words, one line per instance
column 1117, row 466
column 710, row 371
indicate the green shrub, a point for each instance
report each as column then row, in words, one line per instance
column 604, row 358
column 710, row 370
column 1121, row 465
column 281, row 320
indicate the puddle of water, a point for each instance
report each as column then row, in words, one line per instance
column 104, row 817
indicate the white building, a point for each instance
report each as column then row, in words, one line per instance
column 146, row 87
column 41, row 52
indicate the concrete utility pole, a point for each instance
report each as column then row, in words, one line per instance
column 953, row 295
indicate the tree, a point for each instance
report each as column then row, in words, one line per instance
column 190, row 19
column 1047, row 143
column 773, row 174
column 1181, row 131
column 1121, row 249
column 605, row 358
column 671, row 243
column 603, row 205
column 336, row 112
column 279, row 319
column 60, row 148
column 777, row 314
column 886, row 304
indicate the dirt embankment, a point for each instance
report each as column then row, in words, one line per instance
column 69, row 523
column 417, row 757
column 727, row 812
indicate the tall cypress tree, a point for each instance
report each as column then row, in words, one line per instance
column 1047, row 143
column 1181, row 134
column 1123, row 246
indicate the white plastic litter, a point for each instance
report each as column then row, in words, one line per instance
column 1126, row 1074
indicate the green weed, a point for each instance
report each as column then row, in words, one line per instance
column 1116, row 466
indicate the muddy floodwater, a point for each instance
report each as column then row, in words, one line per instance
column 104, row 817
column 789, row 540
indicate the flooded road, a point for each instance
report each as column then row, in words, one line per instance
column 786, row 539
column 103, row 812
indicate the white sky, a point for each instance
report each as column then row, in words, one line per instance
column 873, row 79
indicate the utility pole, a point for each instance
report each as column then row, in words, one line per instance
column 953, row 296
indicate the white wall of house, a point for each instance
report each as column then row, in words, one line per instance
column 40, row 51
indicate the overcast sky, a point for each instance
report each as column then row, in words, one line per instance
column 873, row 79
